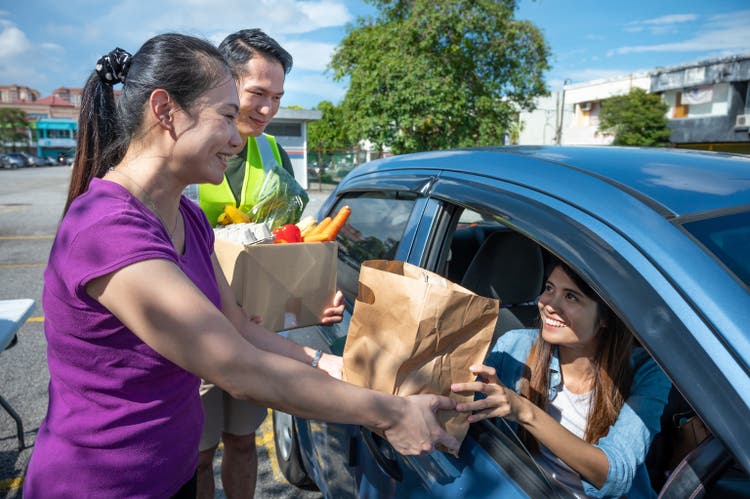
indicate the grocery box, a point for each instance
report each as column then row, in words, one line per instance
column 288, row 285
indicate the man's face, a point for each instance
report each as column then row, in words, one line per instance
column 260, row 88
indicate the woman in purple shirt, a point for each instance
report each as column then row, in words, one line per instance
column 137, row 308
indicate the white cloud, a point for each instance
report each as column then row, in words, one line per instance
column 13, row 42
column 21, row 60
column 672, row 19
column 310, row 55
column 214, row 19
column 307, row 89
column 660, row 25
column 726, row 33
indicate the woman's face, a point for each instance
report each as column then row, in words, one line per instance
column 569, row 317
column 208, row 136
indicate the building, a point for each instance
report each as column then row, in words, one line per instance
column 289, row 126
column 48, row 107
column 72, row 95
column 709, row 103
column 56, row 137
column 14, row 93
column 709, row 106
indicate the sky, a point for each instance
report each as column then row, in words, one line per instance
column 48, row 44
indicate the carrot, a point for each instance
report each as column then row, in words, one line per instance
column 338, row 221
column 315, row 238
column 318, row 228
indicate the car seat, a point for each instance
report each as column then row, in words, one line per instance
column 510, row 267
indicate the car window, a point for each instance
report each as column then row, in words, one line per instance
column 728, row 238
column 372, row 232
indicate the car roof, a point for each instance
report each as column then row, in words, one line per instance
column 675, row 182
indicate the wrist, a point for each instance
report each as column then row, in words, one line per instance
column 316, row 358
column 527, row 414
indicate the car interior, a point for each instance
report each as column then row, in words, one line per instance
column 486, row 257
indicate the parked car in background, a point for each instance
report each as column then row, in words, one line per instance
column 34, row 160
column 16, row 160
column 662, row 236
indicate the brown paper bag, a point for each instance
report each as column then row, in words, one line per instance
column 413, row 331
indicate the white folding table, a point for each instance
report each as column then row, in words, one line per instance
column 13, row 315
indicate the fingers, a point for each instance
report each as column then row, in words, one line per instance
column 486, row 373
column 443, row 404
column 334, row 313
column 472, row 386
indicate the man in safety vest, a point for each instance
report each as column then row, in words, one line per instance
column 261, row 65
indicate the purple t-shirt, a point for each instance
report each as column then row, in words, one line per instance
column 122, row 420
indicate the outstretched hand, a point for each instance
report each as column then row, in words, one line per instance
column 499, row 400
column 334, row 313
column 418, row 431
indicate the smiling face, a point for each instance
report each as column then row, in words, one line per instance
column 260, row 86
column 208, row 136
column 569, row 317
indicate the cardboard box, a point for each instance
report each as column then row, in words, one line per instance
column 288, row 285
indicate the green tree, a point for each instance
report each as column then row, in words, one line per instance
column 637, row 118
column 435, row 74
column 13, row 127
column 328, row 134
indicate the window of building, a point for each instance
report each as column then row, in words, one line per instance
column 680, row 110
column 284, row 129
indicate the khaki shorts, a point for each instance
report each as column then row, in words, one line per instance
column 222, row 413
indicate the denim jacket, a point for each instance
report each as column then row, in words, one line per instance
column 629, row 439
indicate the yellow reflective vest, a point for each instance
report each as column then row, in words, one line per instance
column 262, row 155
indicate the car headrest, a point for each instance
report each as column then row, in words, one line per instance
column 507, row 266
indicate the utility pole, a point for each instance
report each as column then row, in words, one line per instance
column 561, row 115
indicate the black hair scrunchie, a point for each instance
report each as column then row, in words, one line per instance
column 113, row 67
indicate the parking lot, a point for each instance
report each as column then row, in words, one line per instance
column 31, row 201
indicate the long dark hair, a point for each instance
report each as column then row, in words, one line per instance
column 184, row 66
column 613, row 375
column 240, row 47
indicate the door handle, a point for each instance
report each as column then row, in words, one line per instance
column 378, row 447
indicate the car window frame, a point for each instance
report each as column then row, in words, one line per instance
column 613, row 275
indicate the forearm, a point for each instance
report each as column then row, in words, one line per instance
column 265, row 378
column 587, row 460
column 273, row 342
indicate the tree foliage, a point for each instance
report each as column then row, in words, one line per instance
column 13, row 126
column 435, row 74
column 636, row 119
column 329, row 133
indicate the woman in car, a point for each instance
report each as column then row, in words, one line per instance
column 585, row 400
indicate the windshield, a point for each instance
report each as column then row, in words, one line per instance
column 727, row 237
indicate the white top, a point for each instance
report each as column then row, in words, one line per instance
column 570, row 410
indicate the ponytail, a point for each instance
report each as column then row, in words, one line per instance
column 97, row 130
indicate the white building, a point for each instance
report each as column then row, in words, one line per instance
column 573, row 113
column 709, row 106
column 289, row 126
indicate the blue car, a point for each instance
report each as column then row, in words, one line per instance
column 663, row 236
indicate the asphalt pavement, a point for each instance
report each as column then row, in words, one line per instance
column 31, row 202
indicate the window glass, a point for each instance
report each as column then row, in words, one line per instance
column 372, row 232
column 728, row 239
